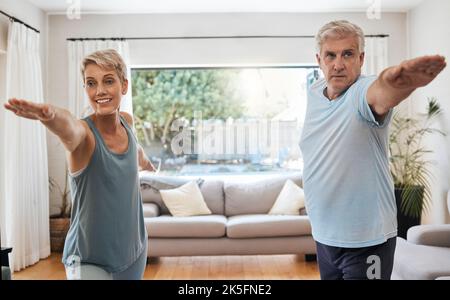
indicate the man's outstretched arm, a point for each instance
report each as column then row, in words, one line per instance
column 396, row 83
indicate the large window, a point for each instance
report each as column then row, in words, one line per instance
column 194, row 121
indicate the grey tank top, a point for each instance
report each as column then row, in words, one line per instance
column 107, row 223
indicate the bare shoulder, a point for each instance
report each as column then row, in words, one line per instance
column 86, row 127
column 89, row 140
column 80, row 157
column 127, row 117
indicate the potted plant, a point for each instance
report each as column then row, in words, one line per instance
column 409, row 166
column 60, row 222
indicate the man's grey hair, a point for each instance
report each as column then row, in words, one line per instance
column 338, row 30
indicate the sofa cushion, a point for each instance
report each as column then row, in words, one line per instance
column 151, row 183
column 250, row 226
column 255, row 197
column 186, row 200
column 419, row 262
column 193, row 226
column 150, row 210
column 212, row 191
column 290, row 200
column 430, row 235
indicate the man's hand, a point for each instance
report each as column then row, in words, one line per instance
column 415, row 73
column 30, row 110
column 396, row 83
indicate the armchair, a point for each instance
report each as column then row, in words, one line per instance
column 425, row 254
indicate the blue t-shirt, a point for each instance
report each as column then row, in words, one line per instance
column 349, row 192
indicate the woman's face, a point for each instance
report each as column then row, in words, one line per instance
column 104, row 89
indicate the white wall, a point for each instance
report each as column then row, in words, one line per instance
column 429, row 27
column 211, row 51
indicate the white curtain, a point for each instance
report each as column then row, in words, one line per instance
column 25, row 195
column 77, row 50
column 376, row 57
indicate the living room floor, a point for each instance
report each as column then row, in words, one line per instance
column 198, row 267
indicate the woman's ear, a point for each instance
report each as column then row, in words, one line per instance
column 125, row 87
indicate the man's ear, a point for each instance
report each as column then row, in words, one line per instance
column 125, row 87
column 361, row 59
column 318, row 58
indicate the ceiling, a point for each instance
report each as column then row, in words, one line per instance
column 217, row 6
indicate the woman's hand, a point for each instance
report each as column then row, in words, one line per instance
column 148, row 167
column 35, row 111
column 144, row 163
column 71, row 131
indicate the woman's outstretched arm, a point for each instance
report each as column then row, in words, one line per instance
column 58, row 120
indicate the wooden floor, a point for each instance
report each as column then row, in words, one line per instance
column 198, row 267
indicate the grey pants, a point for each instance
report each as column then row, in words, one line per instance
column 93, row 272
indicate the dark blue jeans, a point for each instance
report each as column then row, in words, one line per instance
column 374, row 262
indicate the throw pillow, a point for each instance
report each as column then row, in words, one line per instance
column 151, row 183
column 186, row 200
column 290, row 200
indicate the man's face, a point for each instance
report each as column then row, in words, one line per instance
column 341, row 62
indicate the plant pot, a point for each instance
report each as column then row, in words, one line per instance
column 404, row 221
column 58, row 231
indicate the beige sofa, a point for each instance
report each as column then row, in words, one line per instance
column 239, row 223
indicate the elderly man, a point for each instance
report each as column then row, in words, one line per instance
column 348, row 188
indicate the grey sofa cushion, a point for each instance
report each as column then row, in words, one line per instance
column 150, row 210
column 418, row 262
column 212, row 190
column 256, row 197
column 250, row 226
column 194, row 226
column 431, row 235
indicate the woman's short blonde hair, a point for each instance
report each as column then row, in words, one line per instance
column 340, row 29
column 106, row 59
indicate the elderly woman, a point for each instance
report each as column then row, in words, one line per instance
column 107, row 238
